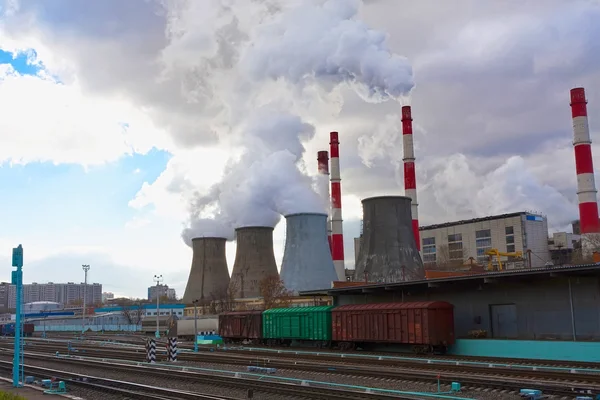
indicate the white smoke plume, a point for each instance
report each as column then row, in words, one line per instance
column 295, row 49
column 322, row 40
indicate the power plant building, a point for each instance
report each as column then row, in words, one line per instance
column 454, row 243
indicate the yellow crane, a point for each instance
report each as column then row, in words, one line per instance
column 494, row 252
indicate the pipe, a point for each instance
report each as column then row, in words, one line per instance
column 410, row 179
column 582, row 144
column 337, row 234
column 323, row 168
column 572, row 311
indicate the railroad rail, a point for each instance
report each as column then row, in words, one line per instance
column 143, row 391
column 129, row 389
column 287, row 360
column 551, row 383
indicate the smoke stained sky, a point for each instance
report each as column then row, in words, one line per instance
column 127, row 109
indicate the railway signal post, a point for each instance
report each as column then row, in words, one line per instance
column 17, row 280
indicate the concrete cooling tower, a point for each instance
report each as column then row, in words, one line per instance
column 254, row 260
column 388, row 252
column 209, row 276
column 307, row 262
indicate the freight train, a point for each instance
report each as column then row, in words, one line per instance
column 425, row 326
column 9, row 329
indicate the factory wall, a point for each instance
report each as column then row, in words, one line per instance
column 456, row 242
column 513, row 311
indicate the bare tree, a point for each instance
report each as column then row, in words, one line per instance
column 274, row 293
column 133, row 312
column 443, row 256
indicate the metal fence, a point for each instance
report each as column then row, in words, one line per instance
column 92, row 327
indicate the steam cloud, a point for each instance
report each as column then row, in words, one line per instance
column 308, row 44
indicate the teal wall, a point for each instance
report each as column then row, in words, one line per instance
column 535, row 349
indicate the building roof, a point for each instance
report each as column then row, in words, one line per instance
column 144, row 306
column 486, row 277
column 472, row 221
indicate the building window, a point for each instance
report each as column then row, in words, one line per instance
column 483, row 243
column 455, row 247
column 510, row 239
column 457, row 237
column 428, row 241
column 486, row 233
column 429, row 252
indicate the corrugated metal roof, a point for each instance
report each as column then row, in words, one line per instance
column 471, row 221
column 298, row 309
column 395, row 306
column 594, row 268
column 249, row 312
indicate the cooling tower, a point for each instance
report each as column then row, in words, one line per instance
column 307, row 262
column 209, row 276
column 388, row 252
column 254, row 260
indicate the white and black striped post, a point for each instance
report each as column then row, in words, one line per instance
column 173, row 349
column 151, row 351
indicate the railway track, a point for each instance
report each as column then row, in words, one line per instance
column 302, row 361
column 510, row 379
column 364, row 356
column 136, row 390
column 118, row 387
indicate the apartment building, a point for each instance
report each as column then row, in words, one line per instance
column 63, row 293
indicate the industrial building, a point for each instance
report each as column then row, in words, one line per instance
column 549, row 303
column 453, row 244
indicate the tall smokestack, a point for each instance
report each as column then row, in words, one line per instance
column 586, row 185
column 254, row 260
column 410, row 178
column 209, row 276
column 307, row 263
column 323, row 165
column 337, row 234
column 388, row 252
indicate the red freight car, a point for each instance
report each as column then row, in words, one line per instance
column 236, row 326
column 28, row 329
column 426, row 325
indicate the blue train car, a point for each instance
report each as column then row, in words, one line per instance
column 9, row 329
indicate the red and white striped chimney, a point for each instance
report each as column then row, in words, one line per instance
column 323, row 166
column 337, row 235
column 410, row 179
column 586, row 184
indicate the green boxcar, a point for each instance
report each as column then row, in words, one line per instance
column 302, row 323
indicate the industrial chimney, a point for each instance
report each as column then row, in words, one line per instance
column 307, row 263
column 254, row 260
column 209, row 276
column 323, row 166
column 410, row 177
column 388, row 252
column 337, row 234
column 586, row 185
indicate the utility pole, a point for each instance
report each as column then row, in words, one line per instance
column 195, row 325
column 17, row 280
column 157, row 279
column 86, row 268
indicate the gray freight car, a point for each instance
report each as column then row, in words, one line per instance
column 184, row 328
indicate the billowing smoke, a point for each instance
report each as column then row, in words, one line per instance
column 322, row 40
column 301, row 46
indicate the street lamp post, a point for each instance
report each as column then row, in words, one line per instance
column 195, row 326
column 86, row 268
column 157, row 279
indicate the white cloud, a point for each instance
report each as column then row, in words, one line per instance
column 492, row 123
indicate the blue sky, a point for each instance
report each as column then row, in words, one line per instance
column 42, row 201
